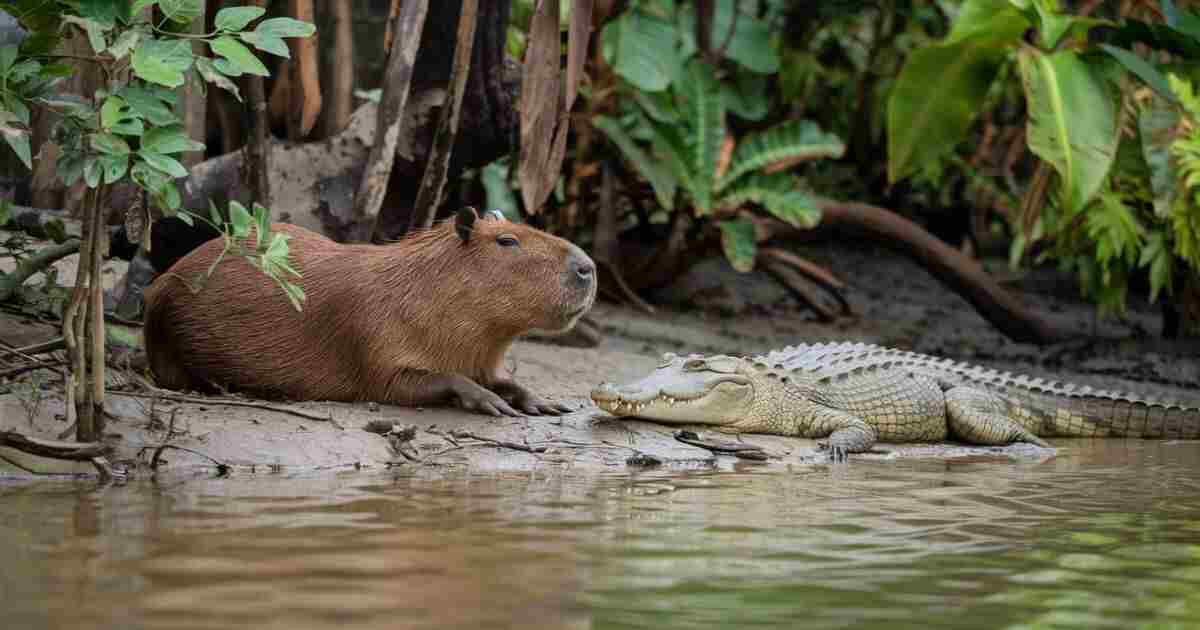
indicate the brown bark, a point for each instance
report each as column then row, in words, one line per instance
column 304, row 70
column 192, row 102
column 407, row 26
column 338, row 75
column 257, row 149
column 429, row 195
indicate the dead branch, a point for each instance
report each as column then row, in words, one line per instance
column 54, row 449
column 790, row 279
column 433, row 181
column 9, row 284
column 810, row 270
column 407, row 27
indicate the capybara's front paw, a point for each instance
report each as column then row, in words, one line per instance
column 488, row 403
column 529, row 402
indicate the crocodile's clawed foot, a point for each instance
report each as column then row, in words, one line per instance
column 837, row 454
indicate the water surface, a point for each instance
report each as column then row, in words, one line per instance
column 1107, row 534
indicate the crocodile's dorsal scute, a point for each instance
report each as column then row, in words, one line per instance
column 832, row 362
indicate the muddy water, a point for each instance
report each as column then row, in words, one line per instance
column 1107, row 534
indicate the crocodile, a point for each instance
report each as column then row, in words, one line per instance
column 851, row 395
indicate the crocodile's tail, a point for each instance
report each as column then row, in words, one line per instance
column 1109, row 414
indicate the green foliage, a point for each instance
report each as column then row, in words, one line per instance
column 129, row 129
column 673, row 129
column 1120, row 200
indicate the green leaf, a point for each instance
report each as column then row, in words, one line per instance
column 110, row 144
column 747, row 96
column 209, row 73
column 670, row 147
column 642, row 49
column 227, row 67
column 181, row 11
column 8, row 56
column 169, row 139
column 238, row 55
column 737, row 240
column 1144, row 71
column 285, row 27
column 278, row 251
column 149, row 104
column 124, row 43
column 240, row 219
column 18, row 139
column 661, row 180
column 1156, row 255
column 1156, row 129
column 23, row 71
column 1073, row 120
column 95, row 31
column 69, row 168
column 1184, row 22
column 750, row 44
column 236, row 18
column 162, row 61
column 778, row 194
column 93, row 172
column 186, row 217
column 262, row 223
column 215, row 215
column 707, row 110
column 166, row 164
column 138, row 5
column 988, row 22
column 267, row 43
column 114, row 167
column 924, row 124
column 791, row 141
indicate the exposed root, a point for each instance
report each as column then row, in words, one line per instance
column 791, row 281
column 776, row 257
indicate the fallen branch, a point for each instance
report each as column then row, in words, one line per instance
column 465, row 435
column 788, row 278
column 37, row 348
column 53, row 449
column 227, row 402
column 222, row 468
column 10, row 283
column 29, row 367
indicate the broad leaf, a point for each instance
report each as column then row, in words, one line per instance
column 93, row 172
column 138, row 5
column 642, row 49
column 18, row 139
column 236, row 18
column 240, row 220
column 108, row 143
column 209, row 73
column 238, row 55
column 285, row 27
column 671, row 148
column 114, row 167
column 737, row 240
column 1156, row 255
column 124, row 43
column 706, row 109
column 169, row 139
column 994, row 22
column 1144, row 71
column 150, row 104
column 95, row 31
column 262, row 222
column 924, row 124
column 163, row 163
column 1072, row 120
column 750, row 40
column 162, row 61
column 181, row 11
column 267, row 43
column 786, row 143
column 661, row 180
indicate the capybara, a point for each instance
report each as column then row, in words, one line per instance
column 425, row 320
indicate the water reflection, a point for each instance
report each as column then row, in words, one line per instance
column 1106, row 534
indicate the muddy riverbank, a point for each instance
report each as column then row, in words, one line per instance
column 713, row 309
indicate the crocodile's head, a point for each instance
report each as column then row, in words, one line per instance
column 693, row 389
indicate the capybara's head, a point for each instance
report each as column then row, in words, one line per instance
column 532, row 280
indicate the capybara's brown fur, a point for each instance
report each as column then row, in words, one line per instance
column 419, row 321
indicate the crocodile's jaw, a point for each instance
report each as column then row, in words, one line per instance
column 701, row 398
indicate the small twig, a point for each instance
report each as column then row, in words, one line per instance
column 29, row 367
column 513, row 445
column 37, row 348
column 222, row 468
column 201, row 400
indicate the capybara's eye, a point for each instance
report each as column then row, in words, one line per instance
column 507, row 240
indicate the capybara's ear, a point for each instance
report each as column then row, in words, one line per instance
column 496, row 214
column 465, row 222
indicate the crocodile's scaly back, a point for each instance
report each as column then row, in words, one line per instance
column 1045, row 408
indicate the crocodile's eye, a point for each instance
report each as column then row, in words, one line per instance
column 507, row 240
column 693, row 364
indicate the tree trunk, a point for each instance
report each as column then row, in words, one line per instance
column 192, row 102
column 338, row 68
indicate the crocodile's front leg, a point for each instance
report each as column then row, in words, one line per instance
column 980, row 417
column 846, row 432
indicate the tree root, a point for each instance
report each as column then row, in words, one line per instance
column 780, row 264
column 951, row 267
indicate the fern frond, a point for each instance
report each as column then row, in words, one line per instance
column 706, row 108
column 778, row 194
column 669, row 145
column 789, row 142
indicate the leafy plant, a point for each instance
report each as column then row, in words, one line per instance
column 687, row 136
column 1110, row 129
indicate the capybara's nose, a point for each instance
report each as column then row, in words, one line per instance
column 583, row 270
